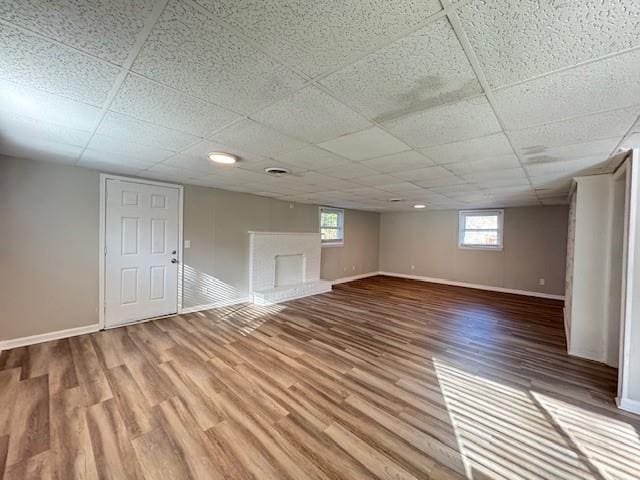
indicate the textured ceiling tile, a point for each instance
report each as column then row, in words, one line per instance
column 402, row 188
column 631, row 141
column 603, row 85
column 255, row 138
column 446, row 124
column 423, row 173
column 110, row 167
column 166, row 172
column 148, row 101
column 351, row 171
column 575, row 130
column 570, row 152
column 100, row 158
column 377, row 180
column 470, row 150
column 29, row 102
column 396, row 162
column 312, row 115
column 31, row 61
column 190, row 52
column 366, row 144
column 519, row 39
column 579, row 166
column 485, row 164
column 39, row 149
column 315, row 36
column 313, row 158
column 425, row 69
column 115, row 148
column 19, row 129
column 105, row 29
column 126, row 129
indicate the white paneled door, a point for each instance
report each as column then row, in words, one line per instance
column 141, row 251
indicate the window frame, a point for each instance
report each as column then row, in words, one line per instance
column 462, row 214
column 340, row 228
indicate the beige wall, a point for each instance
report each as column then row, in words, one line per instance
column 48, row 247
column 217, row 221
column 49, row 244
column 534, row 248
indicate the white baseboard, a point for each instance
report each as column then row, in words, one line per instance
column 46, row 337
column 473, row 285
column 628, row 405
column 209, row 306
column 354, row 277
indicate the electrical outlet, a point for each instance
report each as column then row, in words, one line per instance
column 413, row 267
column 541, row 281
column 353, row 267
column 344, row 269
column 187, row 244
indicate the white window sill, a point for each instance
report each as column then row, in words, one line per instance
column 478, row 247
column 332, row 244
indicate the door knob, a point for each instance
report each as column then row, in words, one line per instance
column 173, row 260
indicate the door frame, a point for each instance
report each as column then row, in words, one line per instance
column 104, row 177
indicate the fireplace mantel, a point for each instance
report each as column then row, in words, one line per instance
column 266, row 247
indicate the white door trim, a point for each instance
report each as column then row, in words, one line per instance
column 101, row 249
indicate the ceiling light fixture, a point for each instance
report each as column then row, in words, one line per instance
column 419, row 206
column 221, row 157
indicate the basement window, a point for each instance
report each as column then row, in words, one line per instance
column 331, row 226
column 480, row 229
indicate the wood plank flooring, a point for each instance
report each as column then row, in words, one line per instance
column 381, row 378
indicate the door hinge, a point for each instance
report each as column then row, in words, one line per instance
column 105, row 251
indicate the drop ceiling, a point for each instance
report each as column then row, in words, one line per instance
column 451, row 104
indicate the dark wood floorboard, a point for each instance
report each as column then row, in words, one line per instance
column 382, row 378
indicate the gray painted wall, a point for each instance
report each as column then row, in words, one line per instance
column 49, row 216
column 535, row 241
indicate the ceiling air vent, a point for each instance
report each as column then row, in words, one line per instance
column 276, row 171
column 394, row 200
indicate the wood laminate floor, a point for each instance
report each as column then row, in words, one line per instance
column 382, row 378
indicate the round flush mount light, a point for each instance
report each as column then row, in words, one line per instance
column 419, row 206
column 276, row 171
column 221, row 157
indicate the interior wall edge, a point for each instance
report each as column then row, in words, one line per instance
column 47, row 337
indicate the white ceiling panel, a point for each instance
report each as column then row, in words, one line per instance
column 446, row 124
column 20, row 130
column 39, row 149
column 487, row 164
column 189, row 51
column 575, row 130
column 579, row 166
column 396, row 162
column 598, row 86
column 153, row 103
column 115, row 148
column 570, row 152
column 370, row 143
column 105, row 29
column 93, row 158
column 126, row 129
column 311, row 115
column 491, row 146
column 377, row 180
column 312, row 158
column 351, row 171
column 420, row 71
column 257, row 139
column 31, row 61
column 520, row 39
column 19, row 101
column 320, row 35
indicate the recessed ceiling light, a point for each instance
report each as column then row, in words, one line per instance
column 419, row 206
column 221, row 157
